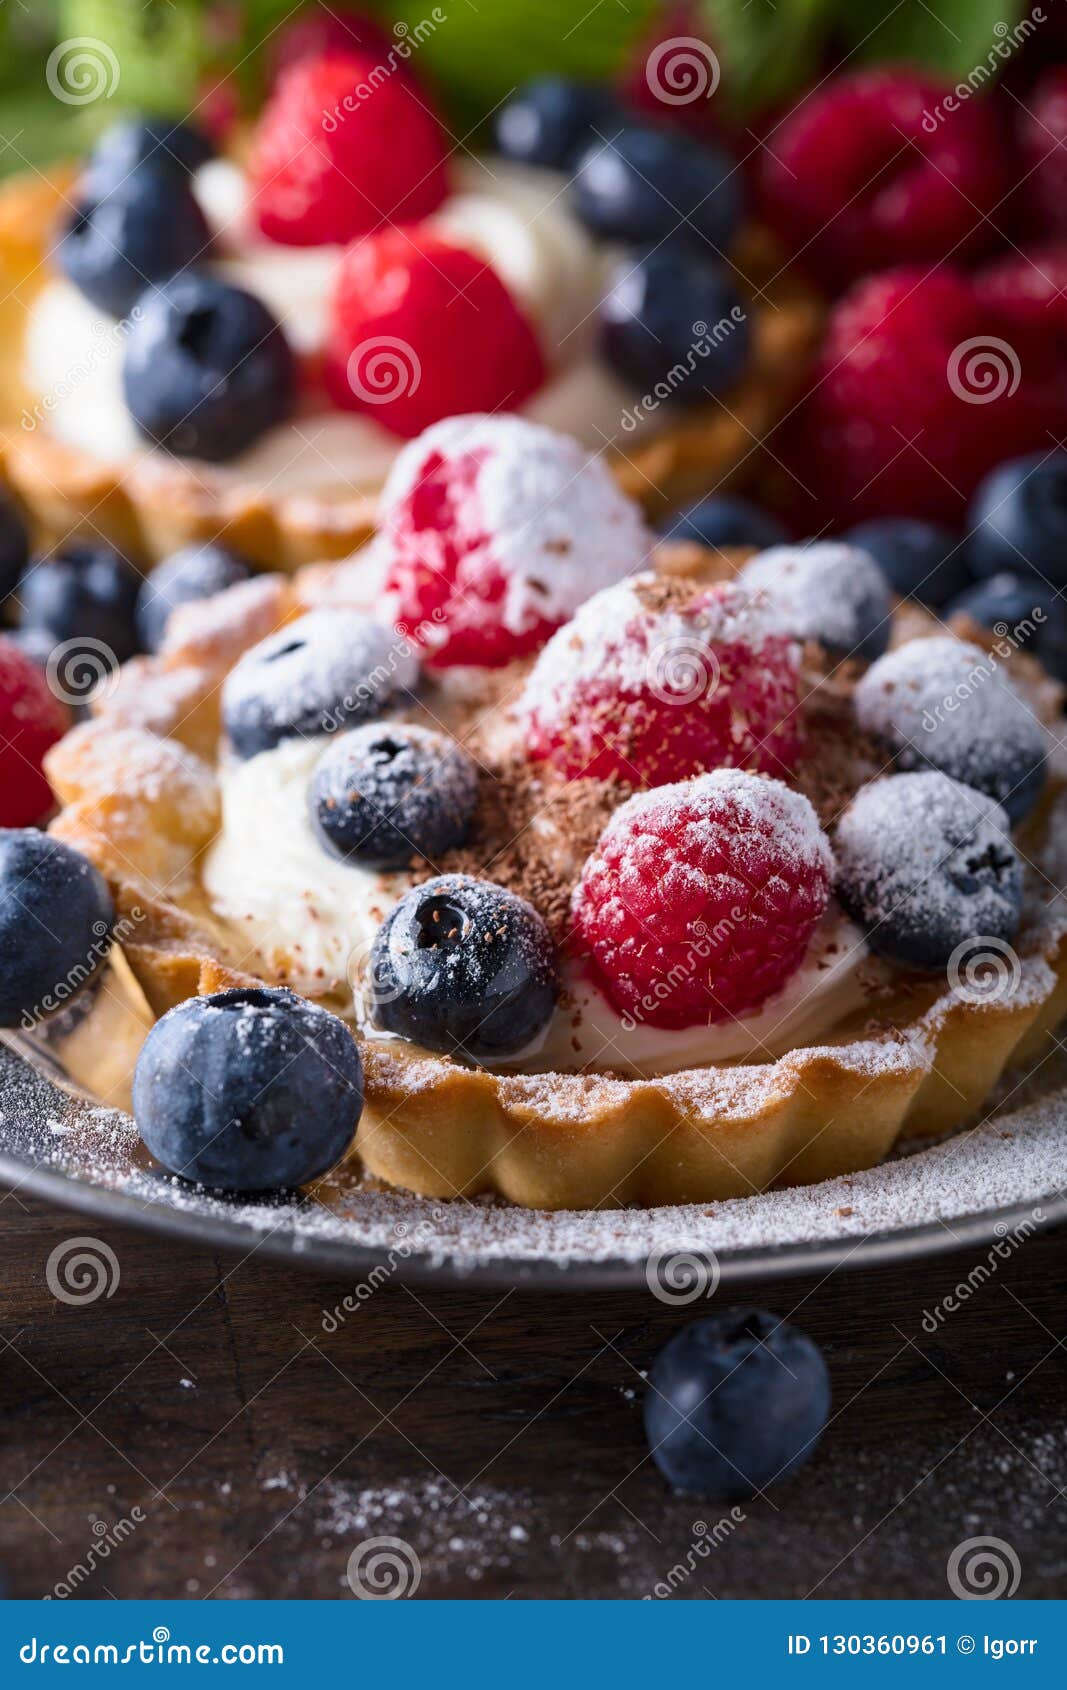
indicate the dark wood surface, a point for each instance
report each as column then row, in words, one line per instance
column 224, row 1441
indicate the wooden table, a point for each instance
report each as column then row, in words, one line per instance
column 203, row 1432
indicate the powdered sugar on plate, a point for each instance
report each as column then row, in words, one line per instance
column 1017, row 1155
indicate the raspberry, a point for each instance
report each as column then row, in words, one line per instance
column 31, row 719
column 322, row 29
column 655, row 680
column 340, row 150
column 1028, row 291
column 922, row 387
column 699, row 900
column 871, row 171
column 422, row 329
column 1042, row 130
column 494, row 530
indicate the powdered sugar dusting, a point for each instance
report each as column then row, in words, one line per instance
column 558, row 525
column 757, row 805
column 830, row 592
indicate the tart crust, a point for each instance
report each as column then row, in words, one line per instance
column 138, row 794
column 153, row 506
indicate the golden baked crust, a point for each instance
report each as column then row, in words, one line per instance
column 138, row 796
column 152, row 507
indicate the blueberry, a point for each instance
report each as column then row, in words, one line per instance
column 328, row 670
column 734, row 1403
column 829, row 592
column 1021, row 610
column 206, row 368
column 83, row 591
column 725, row 520
column 547, row 121
column 132, row 143
column 673, row 324
column 250, row 1089
column 646, row 185
column 463, row 966
column 1018, row 519
column 56, row 920
column 143, row 231
column 920, row 560
column 942, row 703
column 14, row 544
column 383, row 795
column 196, row 572
column 924, row 864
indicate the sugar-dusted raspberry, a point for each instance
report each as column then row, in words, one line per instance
column 494, row 531
column 31, row 720
column 699, row 899
column 922, row 387
column 1041, row 125
column 421, row 329
column 871, row 170
column 341, row 150
column 657, row 679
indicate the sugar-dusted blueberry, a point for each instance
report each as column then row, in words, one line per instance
column 734, row 1403
column 1018, row 519
column 134, row 142
column 723, row 521
column 56, row 922
column 328, row 670
column 83, row 591
column 829, row 592
column 549, row 119
column 195, row 572
column 920, row 560
column 207, row 369
column 646, row 185
column 464, row 966
column 925, row 863
column 248, row 1090
column 387, row 793
column 143, row 230
column 672, row 319
column 942, row 703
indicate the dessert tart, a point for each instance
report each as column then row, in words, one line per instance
column 197, row 347
column 641, row 874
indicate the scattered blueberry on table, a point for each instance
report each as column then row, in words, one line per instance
column 251, row 1089
column 734, row 1403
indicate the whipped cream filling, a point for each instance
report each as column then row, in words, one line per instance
column 514, row 217
column 309, row 918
